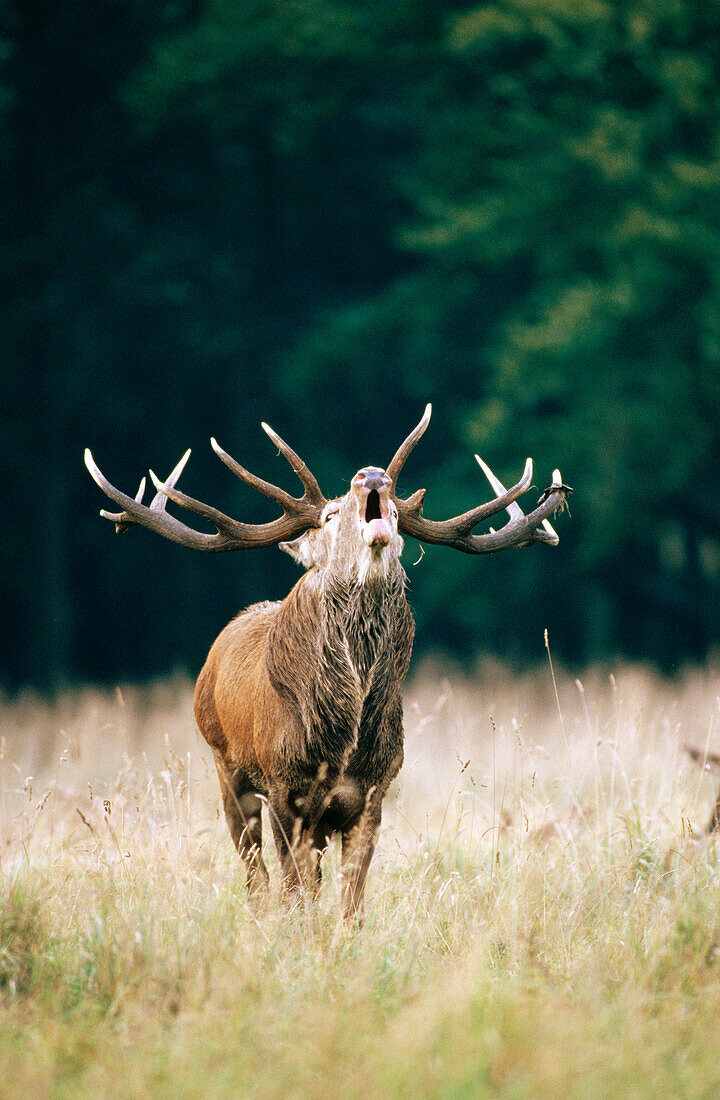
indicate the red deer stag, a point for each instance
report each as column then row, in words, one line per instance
column 300, row 700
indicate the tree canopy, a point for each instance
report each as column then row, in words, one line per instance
column 323, row 214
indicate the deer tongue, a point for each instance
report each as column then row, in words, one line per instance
column 377, row 532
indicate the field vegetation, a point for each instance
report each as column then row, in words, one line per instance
column 542, row 915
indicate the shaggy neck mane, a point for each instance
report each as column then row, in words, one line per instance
column 363, row 616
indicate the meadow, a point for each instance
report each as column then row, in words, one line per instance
column 542, row 913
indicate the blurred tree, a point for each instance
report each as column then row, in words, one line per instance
column 567, row 194
column 324, row 214
column 68, row 233
column 604, row 191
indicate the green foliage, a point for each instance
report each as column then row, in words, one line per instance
column 577, row 177
column 322, row 215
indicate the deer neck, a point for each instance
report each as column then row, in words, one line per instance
column 359, row 615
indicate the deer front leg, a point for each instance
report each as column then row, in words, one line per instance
column 358, row 846
column 243, row 806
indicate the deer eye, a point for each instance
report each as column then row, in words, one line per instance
column 330, row 515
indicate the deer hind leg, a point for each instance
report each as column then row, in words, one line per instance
column 358, row 847
column 243, row 805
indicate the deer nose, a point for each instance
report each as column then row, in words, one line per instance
column 371, row 477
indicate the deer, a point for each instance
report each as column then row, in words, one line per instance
column 300, row 699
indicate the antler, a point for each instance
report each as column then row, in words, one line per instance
column 521, row 530
column 299, row 513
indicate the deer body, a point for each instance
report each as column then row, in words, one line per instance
column 300, row 700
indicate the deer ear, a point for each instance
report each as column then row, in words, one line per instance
column 300, row 549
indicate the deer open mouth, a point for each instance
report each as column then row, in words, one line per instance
column 376, row 530
column 373, row 510
column 371, row 489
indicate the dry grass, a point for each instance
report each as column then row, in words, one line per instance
column 542, row 916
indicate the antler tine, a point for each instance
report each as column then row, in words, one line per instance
column 514, row 510
column 399, row 458
column 312, row 498
column 313, row 492
column 154, row 517
column 298, row 513
column 296, row 518
column 521, row 530
column 285, row 500
column 224, row 524
column 123, row 520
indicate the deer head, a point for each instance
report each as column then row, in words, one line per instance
column 357, row 536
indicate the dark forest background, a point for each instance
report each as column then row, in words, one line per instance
column 324, row 214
